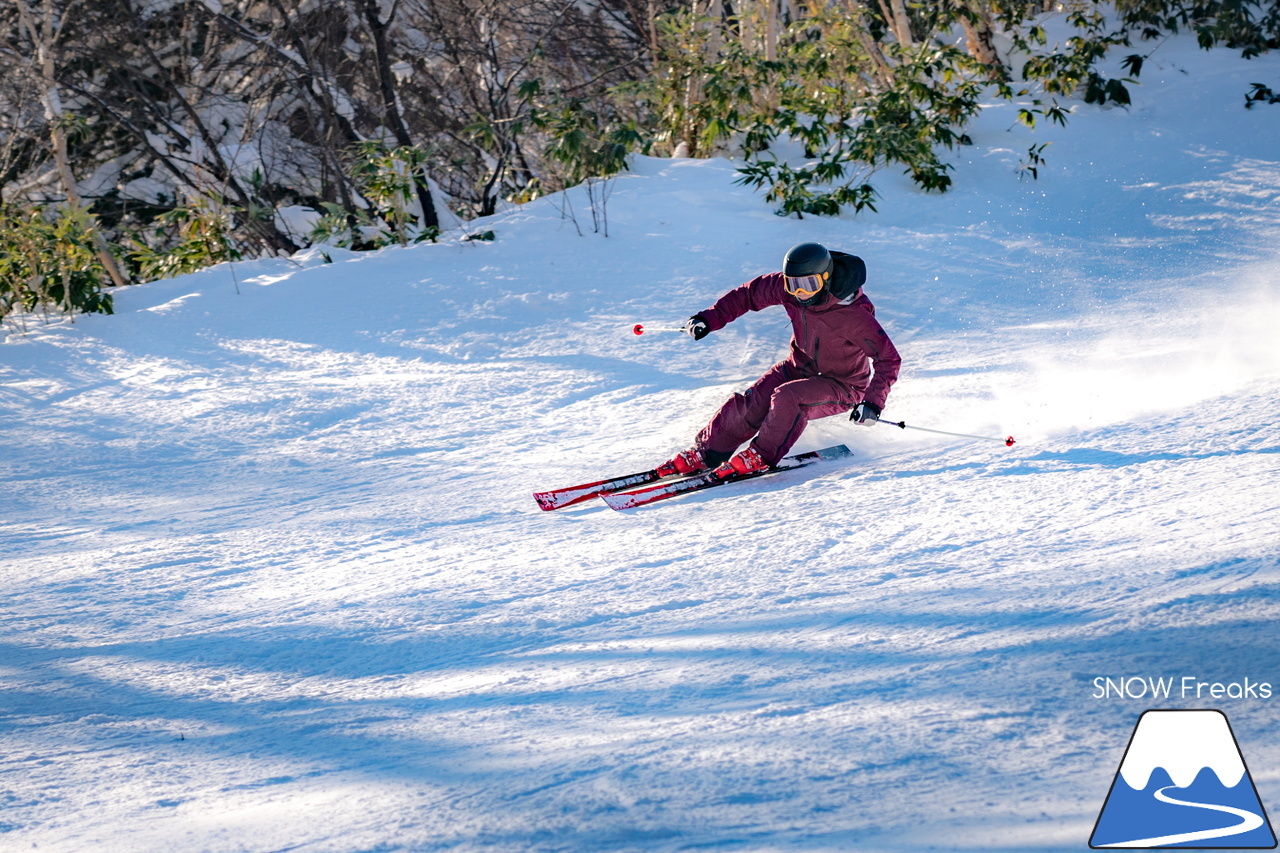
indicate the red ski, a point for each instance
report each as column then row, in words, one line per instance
column 698, row 482
column 559, row 498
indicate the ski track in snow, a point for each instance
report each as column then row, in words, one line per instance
column 274, row 579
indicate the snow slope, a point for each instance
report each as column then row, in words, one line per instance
column 273, row 579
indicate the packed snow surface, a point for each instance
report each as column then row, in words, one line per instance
column 274, row 580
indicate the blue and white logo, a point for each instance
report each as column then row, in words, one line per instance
column 1183, row 783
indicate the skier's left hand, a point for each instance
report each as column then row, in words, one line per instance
column 865, row 414
column 697, row 327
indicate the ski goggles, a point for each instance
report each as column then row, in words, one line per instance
column 804, row 286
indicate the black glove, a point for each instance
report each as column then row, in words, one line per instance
column 865, row 413
column 697, row 327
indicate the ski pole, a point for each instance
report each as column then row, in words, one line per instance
column 1007, row 442
column 641, row 328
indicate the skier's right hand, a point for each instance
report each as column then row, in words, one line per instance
column 697, row 327
column 865, row 413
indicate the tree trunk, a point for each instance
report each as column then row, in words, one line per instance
column 391, row 107
column 979, row 40
column 903, row 28
column 44, row 38
column 772, row 30
column 883, row 68
column 895, row 15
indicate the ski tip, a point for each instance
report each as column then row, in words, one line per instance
column 618, row 501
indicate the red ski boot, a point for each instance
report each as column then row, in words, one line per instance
column 688, row 462
column 749, row 461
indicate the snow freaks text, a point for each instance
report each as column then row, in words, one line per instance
column 1184, row 687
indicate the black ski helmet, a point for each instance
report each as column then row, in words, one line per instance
column 807, row 259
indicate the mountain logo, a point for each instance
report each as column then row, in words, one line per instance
column 1183, row 783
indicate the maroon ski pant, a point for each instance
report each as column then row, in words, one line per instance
column 775, row 410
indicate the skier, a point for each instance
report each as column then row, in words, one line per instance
column 841, row 360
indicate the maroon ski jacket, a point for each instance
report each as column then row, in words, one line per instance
column 842, row 341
